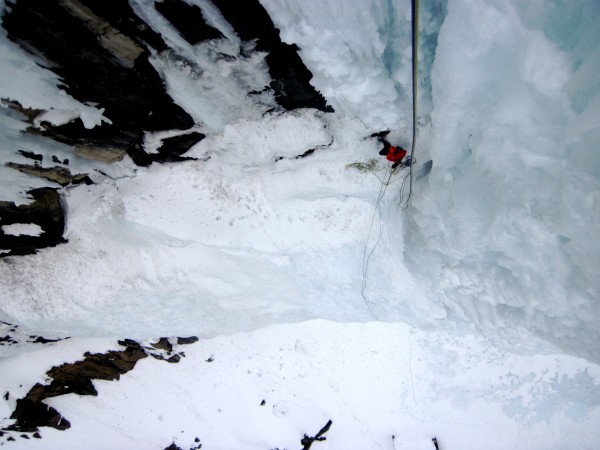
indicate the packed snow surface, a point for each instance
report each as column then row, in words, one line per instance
column 249, row 234
column 384, row 386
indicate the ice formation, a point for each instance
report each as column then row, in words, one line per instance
column 500, row 236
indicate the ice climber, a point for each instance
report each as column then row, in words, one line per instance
column 394, row 154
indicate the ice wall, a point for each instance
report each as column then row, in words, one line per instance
column 505, row 229
column 501, row 233
column 360, row 53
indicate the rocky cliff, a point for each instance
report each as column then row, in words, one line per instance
column 102, row 54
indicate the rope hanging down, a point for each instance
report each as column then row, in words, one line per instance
column 386, row 181
column 415, row 62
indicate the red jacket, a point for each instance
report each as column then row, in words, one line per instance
column 396, row 154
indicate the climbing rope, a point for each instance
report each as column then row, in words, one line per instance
column 385, row 182
column 376, row 212
column 387, row 178
column 415, row 62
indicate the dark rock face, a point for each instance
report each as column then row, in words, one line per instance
column 187, row 340
column 291, row 78
column 100, row 52
column 57, row 174
column 76, row 378
column 163, row 344
column 173, row 446
column 188, row 20
column 31, row 155
column 12, row 335
column 172, row 148
column 45, row 211
column 31, row 412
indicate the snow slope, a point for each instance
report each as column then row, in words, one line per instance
column 384, row 386
column 251, row 236
column 500, row 236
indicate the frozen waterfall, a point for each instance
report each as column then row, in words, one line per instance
column 504, row 230
column 501, row 235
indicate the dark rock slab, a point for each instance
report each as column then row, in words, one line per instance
column 173, row 446
column 8, row 339
column 30, row 415
column 173, row 147
column 163, row 344
column 58, row 161
column 31, row 155
column 72, row 378
column 121, row 16
column 56, row 174
column 29, row 113
column 100, row 51
column 102, row 366
column 188, row 20
column 12, row 335
column 291, row 80
column 43, row 340
column 290, row 77
column 187, row 340
column 250, row 21
column 45, row 211
column 31, row 412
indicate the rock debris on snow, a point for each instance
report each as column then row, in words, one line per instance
column 31, row 413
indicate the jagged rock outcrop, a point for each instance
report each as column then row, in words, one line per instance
column 31, row 412
column 172, row 148
column 74, row 378
column 45, row 211
column 188, row 20
column 12, row 335
column 100, row 51
column 56, row 174
column 290, row 77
